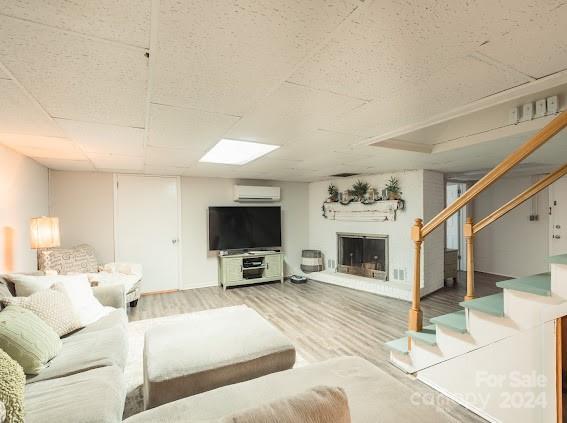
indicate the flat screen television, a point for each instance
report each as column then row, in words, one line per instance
column 242, row 228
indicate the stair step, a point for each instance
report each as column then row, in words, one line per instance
column 428, row 335
column 539, row 284
column 492, row 304
column 399, row 345
column 456, row 321
column 559, row 259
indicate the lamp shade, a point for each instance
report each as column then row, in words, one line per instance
column 44, row 232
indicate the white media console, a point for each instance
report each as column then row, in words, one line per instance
column 250, row 268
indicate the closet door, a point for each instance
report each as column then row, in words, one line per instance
column 147, row 226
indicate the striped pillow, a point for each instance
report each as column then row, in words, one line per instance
column 51, row 306
column 27, row 339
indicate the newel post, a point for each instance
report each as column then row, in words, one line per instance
column 415, row 316
column 469, row 237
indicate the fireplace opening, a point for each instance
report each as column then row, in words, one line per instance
column 363, row 255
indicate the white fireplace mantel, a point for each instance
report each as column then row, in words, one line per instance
column 380, row 211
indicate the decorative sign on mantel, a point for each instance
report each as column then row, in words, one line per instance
column 379, row 211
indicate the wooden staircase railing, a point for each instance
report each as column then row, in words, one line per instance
column 420, row 231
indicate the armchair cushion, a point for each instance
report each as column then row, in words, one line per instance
column 79, row 259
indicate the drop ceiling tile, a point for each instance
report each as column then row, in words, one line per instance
column 171, row 157
column 164, row 170
column 75, row 77
column 463, row 81
column 223, row 58
column 187, row 128
column 4, row 74
column 20, row 115
column 531, row 38
column 71, row 165
column 291, row 112
column 392, row 43
column 126, row 21
column 100, row 138
column 47, row 147
column 116, row 162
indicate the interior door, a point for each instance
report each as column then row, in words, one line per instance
column 558, row 218
column 147, row 228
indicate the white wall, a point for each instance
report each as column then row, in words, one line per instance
column 83, row 201
column 512, row 246
column 197, row 194
column 23, row 195
column 423, row 192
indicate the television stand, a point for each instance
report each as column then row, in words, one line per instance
column 250, row 268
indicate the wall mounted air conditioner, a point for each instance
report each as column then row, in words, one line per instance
column 252, row 194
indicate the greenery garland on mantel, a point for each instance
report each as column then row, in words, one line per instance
column 362, row 192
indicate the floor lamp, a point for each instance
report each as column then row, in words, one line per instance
column 44, row 233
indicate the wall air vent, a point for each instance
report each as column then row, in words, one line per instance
column 343, row 175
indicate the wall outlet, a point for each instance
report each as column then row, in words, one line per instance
column 527, row 112
column 540, row 108
column 552, row 105
column 514, row 115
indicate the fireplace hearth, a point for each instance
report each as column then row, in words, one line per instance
column 363, row 255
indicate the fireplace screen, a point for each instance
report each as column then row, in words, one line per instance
column 363, row 255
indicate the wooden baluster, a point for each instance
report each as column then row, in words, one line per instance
column 415, row 315
column 469, row 236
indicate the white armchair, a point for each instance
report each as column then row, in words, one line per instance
column 82, row 259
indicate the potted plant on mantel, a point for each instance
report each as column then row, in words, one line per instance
column 333, row 194
column 393, row 189
column 359, row 190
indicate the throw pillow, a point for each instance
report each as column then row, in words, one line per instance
column 27, row 339
column 321, row 404
column 12, row 381
column 51, row 306
column 28, row 284
column 79, row 259
column 87, row 308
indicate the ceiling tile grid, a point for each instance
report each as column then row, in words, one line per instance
column 101, row 138
column 20, row 115
column 125, row 21
column 75, row 77
column 224, row 57
column 187, row 128
column 46, row 147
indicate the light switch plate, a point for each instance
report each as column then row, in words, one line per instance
column 552, row 105
column 527, row 112
column 514, row 115
column 540, row 108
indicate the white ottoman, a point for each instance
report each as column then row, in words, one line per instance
column 211, row 349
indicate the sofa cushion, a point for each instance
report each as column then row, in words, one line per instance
column 87, row 308
column 87, row 351
column 321, row 404
column 27, row 338
column 116, row 318
column 51, row 306
column 26, row 284
column 373, row 395
column 12, row 380
column 79, row 259
column 96, row 395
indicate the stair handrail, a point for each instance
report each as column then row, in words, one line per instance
column 520, row 198
column 420, row 231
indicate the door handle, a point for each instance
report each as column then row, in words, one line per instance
column 556, row 236
column 174, row 241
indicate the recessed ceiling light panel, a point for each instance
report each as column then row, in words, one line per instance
column 236, row 152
